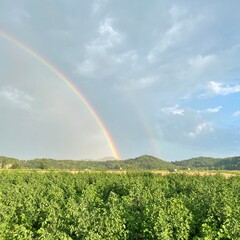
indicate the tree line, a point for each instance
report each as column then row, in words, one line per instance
column 144, row 162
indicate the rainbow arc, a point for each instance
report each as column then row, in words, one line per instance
column 67, row 81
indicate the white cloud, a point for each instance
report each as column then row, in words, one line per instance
column 16, row 97
column 145, row 82
column 173, row 110
column 109, row 37
column 236, row 114
column 98, row 5
column 187, row 127
column 200, row 128
column 106, row 28
column 166, row 41
column 222, row 89
column 197, row 131
column 210, row 110
column 200, row 61
column 177, row 34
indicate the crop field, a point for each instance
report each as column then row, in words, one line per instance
column 98, row 205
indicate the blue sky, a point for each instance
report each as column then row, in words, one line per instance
column 164, row 76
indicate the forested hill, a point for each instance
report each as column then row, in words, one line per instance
column 149, row 162
column 140, row 163
column 144, row 162
column 230, row 163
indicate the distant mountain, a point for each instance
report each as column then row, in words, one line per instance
column 230, row 163
column 104, row 159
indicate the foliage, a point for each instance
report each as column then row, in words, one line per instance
column 206, row 163
column 144, row 162
column 147, row 162
column 50, row 205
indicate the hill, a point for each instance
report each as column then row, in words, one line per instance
column 140, row 163
column 149, row 163
column 144, row 162
column 230, row 163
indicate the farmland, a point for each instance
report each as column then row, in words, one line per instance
column 133, row 205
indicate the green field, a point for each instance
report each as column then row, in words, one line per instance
column 61, row 205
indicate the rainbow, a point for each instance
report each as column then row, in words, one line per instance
column 61, row 76
column 148, row 131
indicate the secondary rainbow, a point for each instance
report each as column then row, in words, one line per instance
column 61, row 76
column 148, row 130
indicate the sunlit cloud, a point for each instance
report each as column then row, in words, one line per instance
column 200, row 128
column 16, row 97
column 223, row 89
column 210, row 110
column 175, row 110
column 108, row 37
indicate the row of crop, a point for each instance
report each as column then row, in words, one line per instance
column 111, row 206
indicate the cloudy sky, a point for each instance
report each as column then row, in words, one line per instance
column 164, row 77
